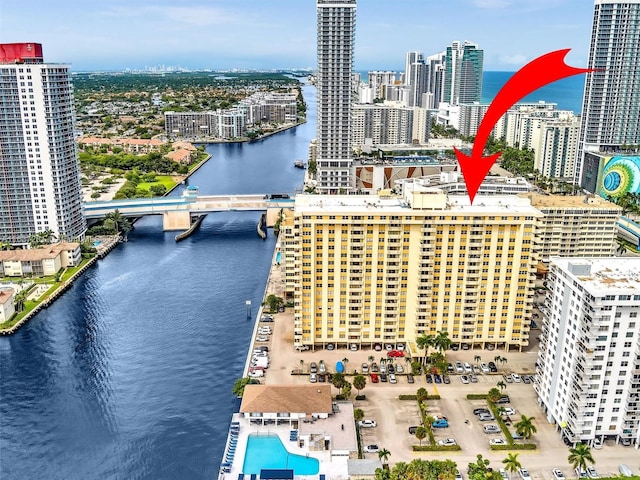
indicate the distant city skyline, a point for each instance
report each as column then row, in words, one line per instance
column 250, row 34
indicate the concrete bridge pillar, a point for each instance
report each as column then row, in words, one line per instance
column 180, row 220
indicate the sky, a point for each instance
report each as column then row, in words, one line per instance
column 264, row 34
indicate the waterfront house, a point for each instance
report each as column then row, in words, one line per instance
column 36, row 262
column 181, row 156
column 7, row 304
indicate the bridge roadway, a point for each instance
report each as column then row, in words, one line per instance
column 200, row 204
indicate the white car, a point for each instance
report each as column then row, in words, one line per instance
column 262, row 338
column 257, row 373
column 372, row 449
column 508, row 411
column 592, row 473
column 557, row 474
column 504, row 474
column 399, row 369
column 516, row 378
column 313, row 378
column 490, row 429
column 392, row 378
column 484, row 368
column 367, row 423
column 597, row 444
column 467, row 367
column 524, row 474
column 497, row 441
column 447, row 442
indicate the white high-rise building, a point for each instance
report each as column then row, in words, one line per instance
column 415, row 77
column 336, row 33
column 589, row 360
column 611, row 103
column 378, row 81
column 39, row 170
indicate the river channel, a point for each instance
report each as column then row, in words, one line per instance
column 129, row 374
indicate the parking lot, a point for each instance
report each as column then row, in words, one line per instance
column 394, row 416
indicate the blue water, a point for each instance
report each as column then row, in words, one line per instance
column 267, row 451
column 129, row 374
column 567, row 93
column 278, row 257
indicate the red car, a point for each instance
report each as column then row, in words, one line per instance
column 374, row 378
column 395, row 353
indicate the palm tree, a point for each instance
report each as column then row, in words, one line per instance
column 359, row 382
column 371, row 359
column 345, row 360
column 493, row 395
column 423, row 342
column 477, row 359
column 511, row 463
column 525, row 427
column 383, row 455
column 580, row 455
column 503, row 360
column 502, row 385
column 442, row 341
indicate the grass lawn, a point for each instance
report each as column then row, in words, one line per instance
column 165, row 180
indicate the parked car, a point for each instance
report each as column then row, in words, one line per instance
column 257, row 373
column 557, row 474
column 302, row 348
column 508, row 378
column 399, row 369
column 266, row 318
column 450, row 368
column 322, row 377
column 505, row 475
column 330, row 346
column 377, row 347
column 508, row 411
column 492, row 367
column 581, row 473
column 375, row 378
column 440, row 423
column 365, row 368
column 526, row 379
column 503, row 399
column 313, row 378
column 392, row 378
column 516, row 378
column 367, row 423
column 372, row 449
column 478, row 411
column 447, row 442
column 624, row 470
column 497, row 441
column 464, row 379
column 412, row 429
column 592, row 473
column 410, row 379
column 391, row 369
column 597, row 444
column 467, row 367
column 437, row 378
column 524, row 473
column 313, row 367
column 262, row 338
column 374, row 367
column 473, row 378
column 484, row 367
column 429, row 378
column 486, row 417
column 446, row 379
column 459, row 368
column 459, row 475
column 491, row 429
column 383, row 377
column 353, row 347
column 322, row 368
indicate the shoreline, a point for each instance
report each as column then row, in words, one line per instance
column 244, row 139
column 101, row 254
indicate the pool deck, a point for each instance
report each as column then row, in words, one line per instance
column 334, row 467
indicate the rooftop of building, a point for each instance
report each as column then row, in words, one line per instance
column 602, row 275
column 431, row 200
column 37, row 254
column 559, row 201
column 5, row 295
column 287, row 398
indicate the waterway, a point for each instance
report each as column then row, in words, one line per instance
column 129, row 374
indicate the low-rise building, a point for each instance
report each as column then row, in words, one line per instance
column 588, row 367
column 7, row 304
column 36, row 262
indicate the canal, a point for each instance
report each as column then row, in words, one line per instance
column 129, row 374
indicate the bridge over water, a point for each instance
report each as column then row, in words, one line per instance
column 177, row 212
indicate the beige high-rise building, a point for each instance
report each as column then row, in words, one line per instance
column 366, row 270
column 575, row 226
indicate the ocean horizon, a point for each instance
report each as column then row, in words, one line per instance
column 567, row 93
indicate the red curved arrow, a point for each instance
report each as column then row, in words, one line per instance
column 539, row 72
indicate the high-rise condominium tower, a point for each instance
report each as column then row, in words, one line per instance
column 463, row 73
column 415, row 75
column 336, row 31
column 39, row 170
column 611, row 103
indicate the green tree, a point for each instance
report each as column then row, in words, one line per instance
column 420, row 434
column 477, row 359
column 479, row 470
column 502, row 385
column 421, row 394
column 525, row 427
column 338, row 380
column 158, row 190
column 358, row 414
column 238, row 386
column 580, row 455
column 359, row 382
column 493, row 395
column 442, row 341
column 511, row 463
column 382, row 474
column 384, row 455
column 424, row 342
column 274, row 302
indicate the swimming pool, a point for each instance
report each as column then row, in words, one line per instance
column 278, row 257
column 267, row 451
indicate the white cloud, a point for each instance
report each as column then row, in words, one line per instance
column 491, row 3
column 515, row 59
